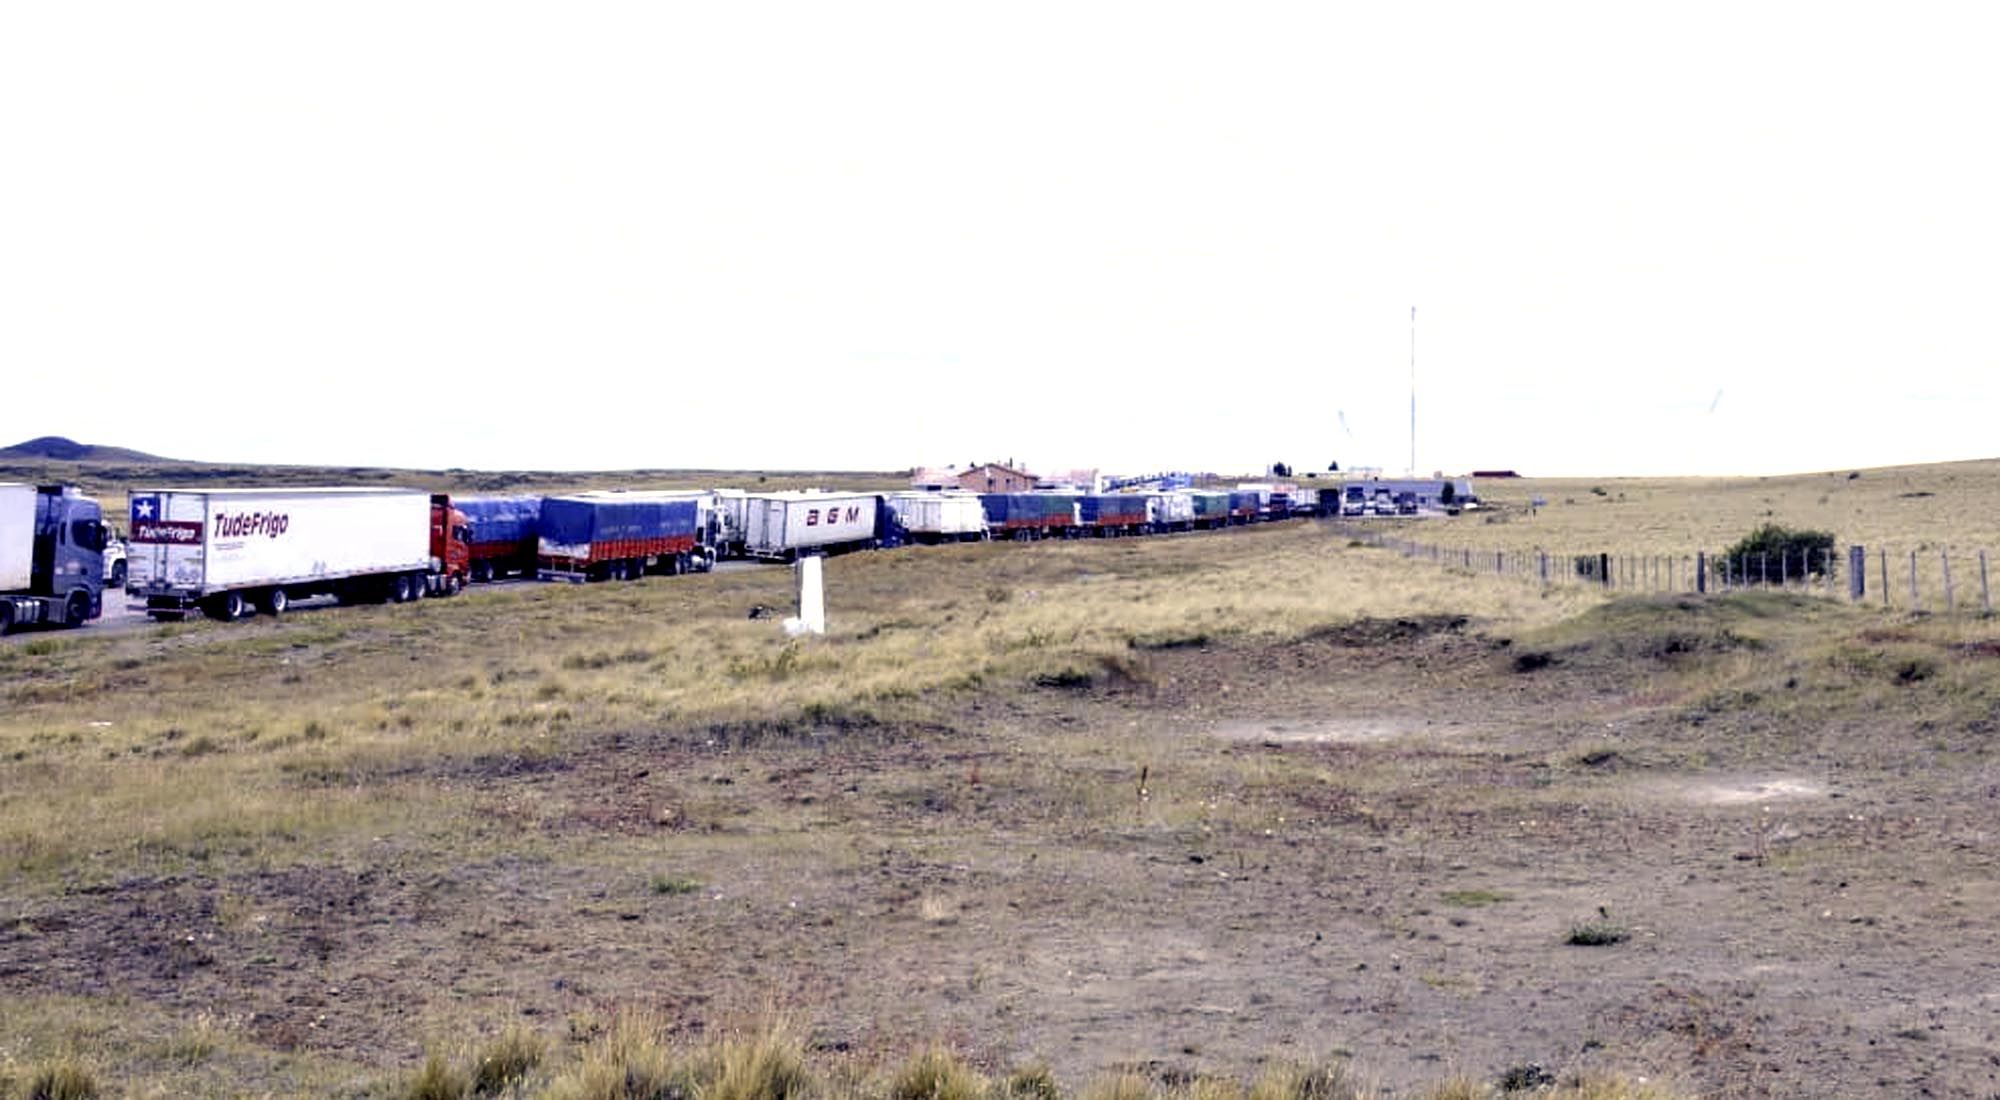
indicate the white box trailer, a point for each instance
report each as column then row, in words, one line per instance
column 781, row 526
column 17, row 537
column 1172, row 510
column 222, row 550
column 938, row 517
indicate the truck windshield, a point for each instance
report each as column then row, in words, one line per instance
column 87, row 534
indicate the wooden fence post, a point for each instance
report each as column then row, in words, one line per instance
column 1985, row 593
column 1857, row 573
column 1950, row 604
column 1884, row 555
column 1701, row 572
column 1915, row 604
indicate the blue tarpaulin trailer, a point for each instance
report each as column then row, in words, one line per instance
column 506, row 533
column 1112, row 513
column 618, row 536
column 1029, row 515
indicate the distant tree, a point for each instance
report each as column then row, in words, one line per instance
column 1279, row 469
column 1333, row 467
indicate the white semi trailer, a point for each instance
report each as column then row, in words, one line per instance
column 223, row 551
column 782, row 526
column 938, row 517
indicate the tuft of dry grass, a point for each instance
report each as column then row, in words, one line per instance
column 438, row 1080
column 65, row 1078
column 936, row 1073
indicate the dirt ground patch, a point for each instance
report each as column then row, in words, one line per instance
column 1121, row 876
column 1344, row 731
column 1741, row 792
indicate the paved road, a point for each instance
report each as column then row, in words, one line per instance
column 122, row 614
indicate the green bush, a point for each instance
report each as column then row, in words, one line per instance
column 1775, row 551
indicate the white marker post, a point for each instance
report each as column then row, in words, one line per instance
column 812, row 595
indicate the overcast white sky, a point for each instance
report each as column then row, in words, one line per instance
column 864, row 235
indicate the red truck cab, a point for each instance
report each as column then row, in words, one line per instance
column 451, row 538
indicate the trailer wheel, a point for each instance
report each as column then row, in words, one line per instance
column 227, row 607
column 400, row 593
column 6, row 616
column 276, row 601
column 481, row 572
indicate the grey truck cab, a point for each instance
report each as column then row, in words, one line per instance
column 51, row 556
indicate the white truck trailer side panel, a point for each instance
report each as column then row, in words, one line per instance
column 202, row 541
column 778, row 523
column 939, row 513
column 17, row 537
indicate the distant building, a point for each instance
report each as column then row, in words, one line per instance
column 1085, row 481
column 934, row 478
column 992, row 477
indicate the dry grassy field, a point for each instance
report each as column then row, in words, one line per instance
column 1265, row 812
column 1925, row 510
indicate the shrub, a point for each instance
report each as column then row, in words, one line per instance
column 1596, row 934
column 1780, row 551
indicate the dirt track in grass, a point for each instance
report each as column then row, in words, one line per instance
column 1372, row 843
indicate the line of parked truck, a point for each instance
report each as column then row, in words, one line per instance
column 225, row 553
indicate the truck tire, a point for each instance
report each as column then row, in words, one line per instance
column 76, row 609
column 225, row 607
column 276, row 601
column 118, row 574
column 6, row 617
column 404, row 591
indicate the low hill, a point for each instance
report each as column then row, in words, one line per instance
column 59, row 449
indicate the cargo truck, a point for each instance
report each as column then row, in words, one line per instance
column 1173, row 510
column 223, row 552
column 937, row 517
column 1109, row 514
column 614, row 535
column 784, row 526
column 1030, row 515
column 1211, row 509
column 502, row 536
column 52, row 541
column 1247, row 505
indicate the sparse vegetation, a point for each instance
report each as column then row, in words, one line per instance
column 1596, row 933
column 1168, row 805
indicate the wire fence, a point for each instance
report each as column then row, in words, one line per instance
column 1932, row 580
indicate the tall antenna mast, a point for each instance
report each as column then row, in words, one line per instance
column 1413, row 391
